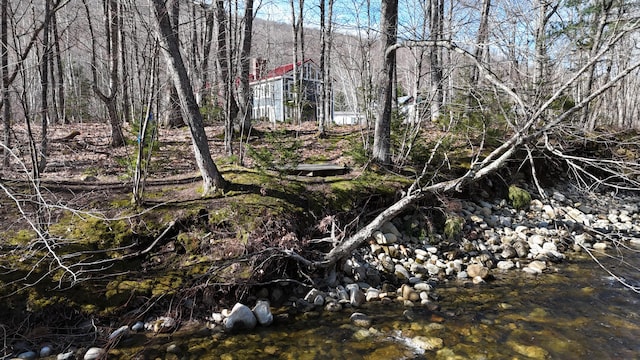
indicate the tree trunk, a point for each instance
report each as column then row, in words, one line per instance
column 223, row 61
column 388, row 34
column 172, row 115
column 436, row 14
column 4, row 63
column 602, row 13
column 211, row 177
column 44, row 88
column 479, row 51
column 244, row 91
column 112, row 24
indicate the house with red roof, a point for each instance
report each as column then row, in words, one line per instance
column 274, row 92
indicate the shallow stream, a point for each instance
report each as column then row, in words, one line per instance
column 575, row 310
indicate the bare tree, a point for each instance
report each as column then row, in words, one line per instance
column 110, row 99
column 388, row 31
column 243, row 91
column 211, row 177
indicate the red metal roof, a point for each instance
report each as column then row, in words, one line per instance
column 283, row 69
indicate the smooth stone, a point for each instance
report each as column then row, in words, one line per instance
column 477, row 270
column 531, row 271
column 66, row 356
column 332, row 306
column 509, row 252
column 372, row 294
column 262, row 312
column 240, row 317
column 477, row 280
column 522, row 249
column 401, row 272
column 462, row 275
column 536, row 205
column 536, row 239
column 530, row 351
column 360, row 319
column 174, row 349
column 121, row 332
column 428, row 342
column 537, row 265
column 549, row 211
column 29, row 355
column 423, row 286
column 389, row 227
column 549, row 247
column 138, row 326
column 599, row 246
column 356, row 296
column 505, row 265
column 93, row 353
column 432, row 269
column 46, row 351
column 634, row 242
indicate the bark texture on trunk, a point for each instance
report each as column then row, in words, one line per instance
column 211, row 177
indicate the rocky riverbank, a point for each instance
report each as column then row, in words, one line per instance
column 403, row 263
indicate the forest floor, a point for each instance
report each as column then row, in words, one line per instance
column 104, row 257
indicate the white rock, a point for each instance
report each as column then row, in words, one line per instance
column 537, row 265
column 505, row 265
column 93, row 353
column 635, row 242
column 372, row 294
column 600, row 246
column 549, row 247
column 549, row 211
column 121, row 332
column 428, row 342
column 402, row 273
column 66, row 356
column 356, row 296
column 423, row 286
column 138, row 326
column 240, row 317
column 262, row 312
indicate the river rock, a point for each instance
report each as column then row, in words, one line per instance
column 505, row 265
column 137, row 327
column 389, row 227
column 401, row 272
column 332, row 306
column 360, row 319
column 46, row 351
column 508, row 252
column 356, row 296
column 372, row 294
column 119, row 333
column 66, row 356
column 477, row 270
column 600, row 246
column 521, row 247
column 29, row 355
column 174, row 349
column 530, row 351
column 428, row 343
column 262, row 312
column 241, row 317
column 163, row 324
column 93, row 353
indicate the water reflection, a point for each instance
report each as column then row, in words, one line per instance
column 572, row 312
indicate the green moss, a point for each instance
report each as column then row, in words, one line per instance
column 93, row 232
column 21, row 237
column 519, row 198
column 453, row 227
